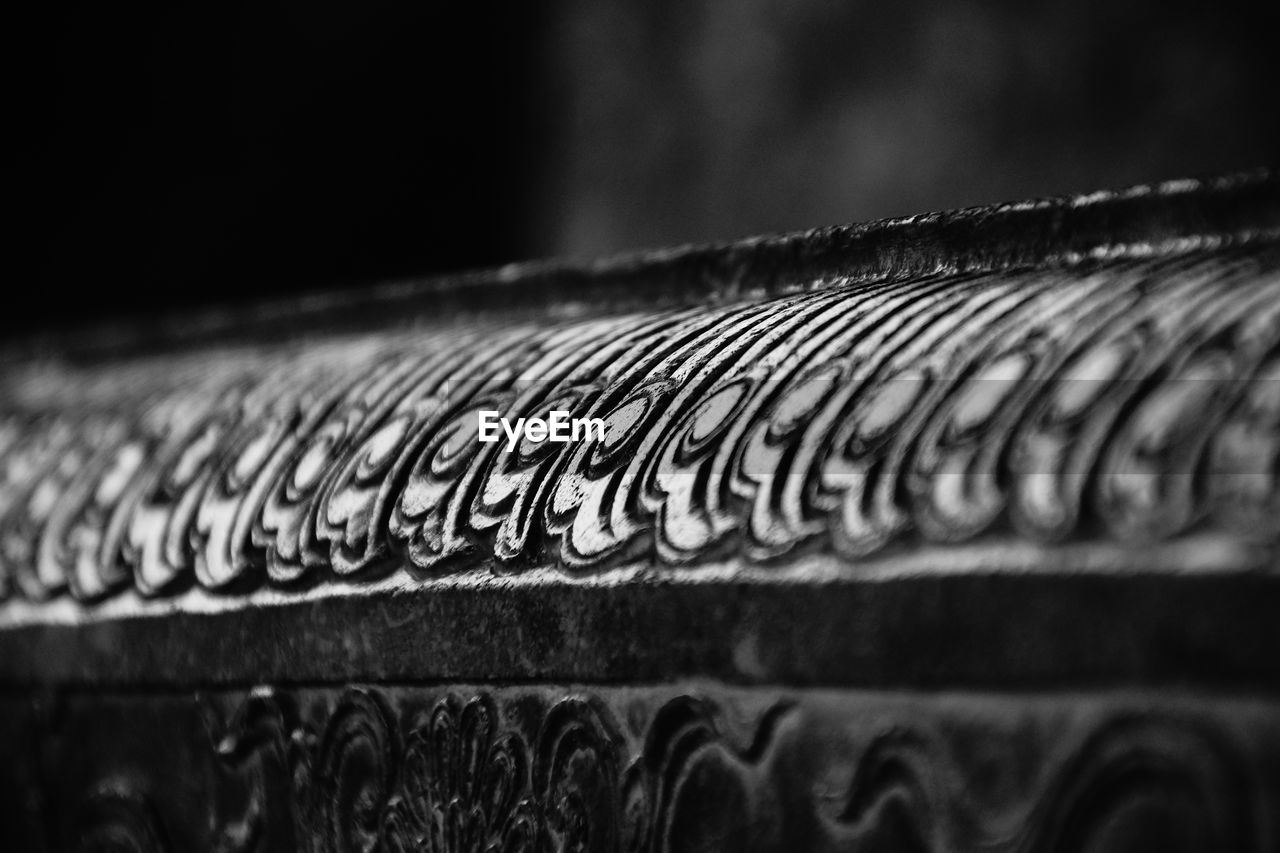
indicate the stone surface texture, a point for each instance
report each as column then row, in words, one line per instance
column 958, row 532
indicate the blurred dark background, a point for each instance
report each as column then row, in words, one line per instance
column 197, row 152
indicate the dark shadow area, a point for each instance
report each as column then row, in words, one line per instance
column 206, row 153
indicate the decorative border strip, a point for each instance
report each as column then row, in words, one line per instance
column 1133, row 400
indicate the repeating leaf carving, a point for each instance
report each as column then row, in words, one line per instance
column 1126, row 400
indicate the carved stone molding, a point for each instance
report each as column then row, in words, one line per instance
column 954, row 533
column 1111, row 399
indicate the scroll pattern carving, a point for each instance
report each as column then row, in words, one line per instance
column 459, row 780
column 518, row 772
column 1131, row 401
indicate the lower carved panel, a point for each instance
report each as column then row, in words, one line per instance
column 563, row 768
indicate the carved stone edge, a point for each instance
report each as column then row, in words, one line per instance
column 206, row 506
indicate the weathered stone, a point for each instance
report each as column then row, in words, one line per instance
column 951, row 533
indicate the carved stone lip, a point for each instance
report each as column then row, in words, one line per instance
column 946, row 507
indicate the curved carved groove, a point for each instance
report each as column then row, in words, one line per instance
column 1147, row 785
column 113, row 820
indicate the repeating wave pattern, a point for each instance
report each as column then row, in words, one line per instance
column 541, row 768
column 1131, row 401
